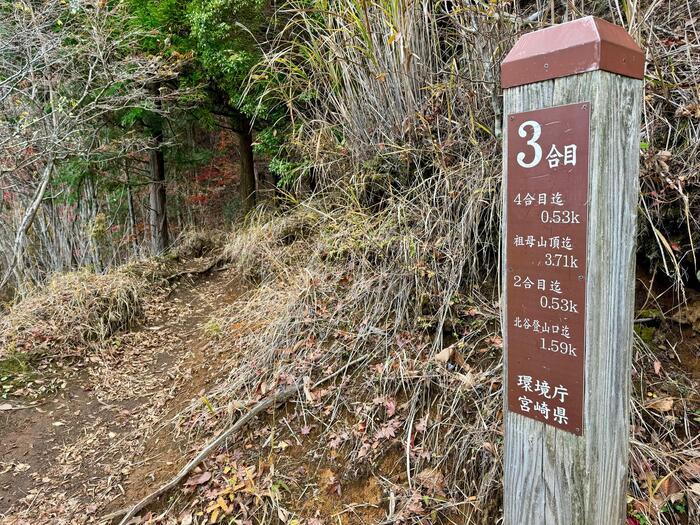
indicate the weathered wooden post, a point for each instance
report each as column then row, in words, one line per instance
column 572, row 105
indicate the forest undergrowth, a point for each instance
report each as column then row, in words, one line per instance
column 394, row 262
column 411, row 428
column 374, row 276
column 418, row 414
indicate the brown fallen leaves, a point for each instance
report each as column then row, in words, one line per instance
column 662, row 404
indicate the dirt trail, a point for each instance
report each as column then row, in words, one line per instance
column 104, row 440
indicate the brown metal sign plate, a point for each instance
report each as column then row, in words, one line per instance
column 547, row 192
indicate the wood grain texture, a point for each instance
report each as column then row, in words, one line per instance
column 553, row 477
column 524, row 491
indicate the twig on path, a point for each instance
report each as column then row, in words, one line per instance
column 9, row 406
column 279, row 397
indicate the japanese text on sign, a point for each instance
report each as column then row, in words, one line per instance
column 546, row 228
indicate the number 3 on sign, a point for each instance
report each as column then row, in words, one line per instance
column 536, row 132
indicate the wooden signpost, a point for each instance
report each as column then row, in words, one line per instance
column 572, row 106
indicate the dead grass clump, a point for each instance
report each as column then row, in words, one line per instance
column 270, row 244
column 72, row 312
column 664, row 448
column 151, row 271
column 195, row 243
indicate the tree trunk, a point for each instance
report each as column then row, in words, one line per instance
column 157, row 209
column 247, row 165
column 16, row 265
column 132, row 212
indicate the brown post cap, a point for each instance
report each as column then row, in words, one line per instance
column 586, row 44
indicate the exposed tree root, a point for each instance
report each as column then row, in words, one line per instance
column 279, row 397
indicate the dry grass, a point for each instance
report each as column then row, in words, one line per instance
column 412, row 90
column 394, row 261
column 385, row 286
column 73, row 312
column 261, row 252
column 195, row 243
column 670, row 174
column 77, row 311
